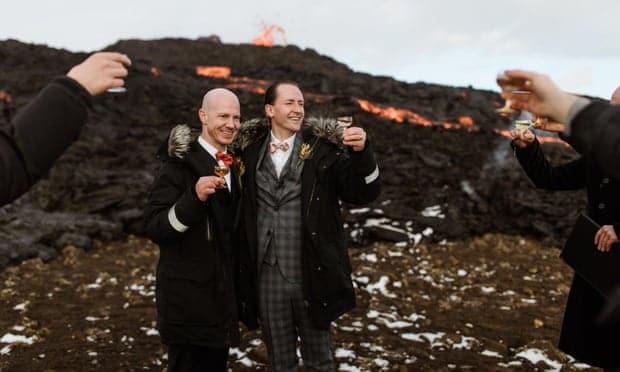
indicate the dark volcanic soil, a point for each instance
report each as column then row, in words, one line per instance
column 483, row 304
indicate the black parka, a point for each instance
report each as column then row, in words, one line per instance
column 331, row 174
column 194, row 288
column 39, row 134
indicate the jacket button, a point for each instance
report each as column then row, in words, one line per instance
column 306, row 303
column 314, row 233
column 324, row 304
column 601, row 206
column 317, row 198
column 319, row 268
column 606, row 180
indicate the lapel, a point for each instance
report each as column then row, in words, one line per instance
column 311, row 165
column 251, row 157
column 293, row 164
column 265, row 162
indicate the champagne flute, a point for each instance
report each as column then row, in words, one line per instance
column 509, row 87
column 221, row 171
column 344, row 121
column 521, row 125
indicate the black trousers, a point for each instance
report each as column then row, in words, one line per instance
column 193, row 358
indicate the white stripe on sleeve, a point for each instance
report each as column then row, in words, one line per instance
column 373, row 176
column 174, row 221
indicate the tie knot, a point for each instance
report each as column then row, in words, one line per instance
column 283, row 146
column 224, row 157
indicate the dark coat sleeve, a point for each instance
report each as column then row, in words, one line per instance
column 596, row 131
column 39, row 134
column 569, row 176
column 358, row 176
column 171, row 189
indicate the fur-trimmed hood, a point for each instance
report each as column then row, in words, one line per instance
column 181, row 136
column 256, row 129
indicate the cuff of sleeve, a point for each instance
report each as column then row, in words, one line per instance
column 75, row 88
column 364, row 161
column 528, row 150
column 617, row 229
column 575, row 109
column 189, row 209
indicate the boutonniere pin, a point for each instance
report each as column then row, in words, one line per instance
column 305, row 152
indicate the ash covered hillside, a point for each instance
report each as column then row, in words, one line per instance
column 445, row 161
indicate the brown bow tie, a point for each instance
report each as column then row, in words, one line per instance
column 279, row 146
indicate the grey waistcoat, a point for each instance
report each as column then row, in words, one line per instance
column 279, row 213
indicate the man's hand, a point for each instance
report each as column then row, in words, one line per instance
column 522, row 138
column 546, row 98
column 605, row 237
column 101, row 71
column 354, row 137
column 206, row 186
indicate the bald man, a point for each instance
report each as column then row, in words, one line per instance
column 190, row 215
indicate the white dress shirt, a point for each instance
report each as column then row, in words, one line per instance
column 212, row 151
column 280, row 157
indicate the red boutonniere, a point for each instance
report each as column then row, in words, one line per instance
column 228, row 159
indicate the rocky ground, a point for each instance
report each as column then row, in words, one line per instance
column 489, row 303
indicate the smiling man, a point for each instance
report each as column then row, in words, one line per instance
column 295, row 273
column 192, row 219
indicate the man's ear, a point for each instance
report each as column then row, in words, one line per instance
column 269, row 110
column 202, row 115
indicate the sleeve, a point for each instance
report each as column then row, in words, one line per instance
column 569, row 176
column 358, row 175
column 595, row 130
column 39, row 134
column 172, row 206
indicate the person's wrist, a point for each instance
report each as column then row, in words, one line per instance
column 564, row 104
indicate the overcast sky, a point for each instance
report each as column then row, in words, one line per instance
column 456, row 42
